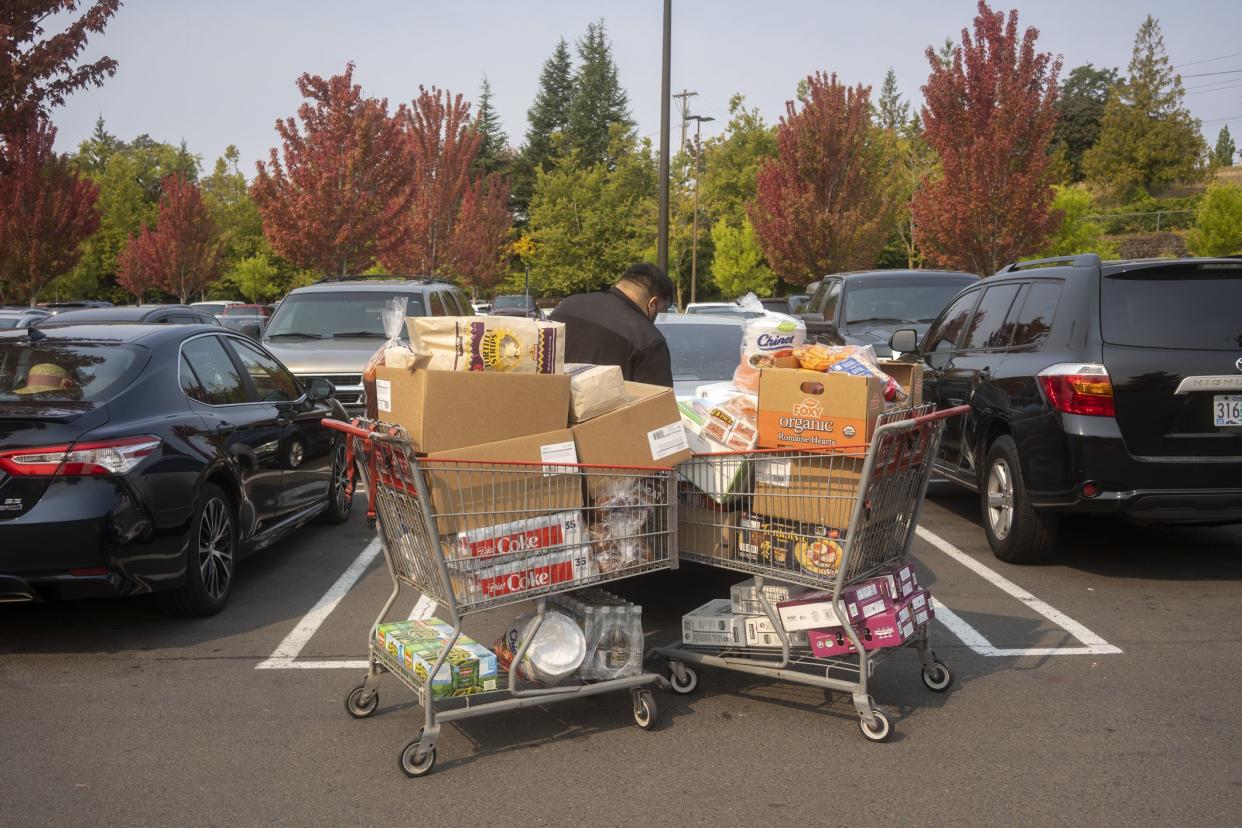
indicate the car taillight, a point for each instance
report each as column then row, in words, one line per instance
column 1074, row 388
column 80, row 459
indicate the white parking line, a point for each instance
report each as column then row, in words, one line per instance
column 1092, row 643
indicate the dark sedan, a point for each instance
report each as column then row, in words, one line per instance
column 143, row 458
column 131, row 315
column 865, row 308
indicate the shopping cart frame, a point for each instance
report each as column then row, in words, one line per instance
column 797, row 664
column 418, row 756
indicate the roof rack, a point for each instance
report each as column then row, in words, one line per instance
column 361, row 277
column 1081, row 260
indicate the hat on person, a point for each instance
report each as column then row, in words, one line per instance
column 46, row 376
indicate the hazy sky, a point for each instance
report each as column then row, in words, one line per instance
column 221, row 72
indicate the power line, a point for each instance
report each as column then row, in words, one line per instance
column 1207, row 60
column 1209, row 74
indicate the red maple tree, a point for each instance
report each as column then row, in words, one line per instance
column 46, row 212
column 826, row 202
column 459, row 223
column 38, row 72
column 340, row 198
column 989, row 115
column 181, row 254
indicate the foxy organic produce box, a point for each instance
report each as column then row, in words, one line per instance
column 814, row 410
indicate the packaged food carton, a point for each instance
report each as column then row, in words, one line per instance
column 830, row 643
column 416, row 646
column 525, row 537
column 900, row 583
column 503, row 344
column 814, row 410
column 710, row 533
column 890, row 628
column 492, row 578
column 594, row 390
column 820, row 490
column 794, row 547
column 714, row 624
column 645, row 432
column 921, row 607
column 745, row 600
column 760, row 632
column 816, row 610
column 909, row 376
column 445, row 410
column 470, row 493
column 723, row 478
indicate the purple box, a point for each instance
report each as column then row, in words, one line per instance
column 900, row 583
column 830, row 643
column 891, row 628
column 816, row 612
column 921, row 607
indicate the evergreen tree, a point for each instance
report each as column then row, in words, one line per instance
column 598, row 102
column 1079, row 109
column 1222, row 156
column 1147, row 137
column 494, row 147
column 547, row 119
column 892, row 112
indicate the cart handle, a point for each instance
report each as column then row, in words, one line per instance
column 347, row 428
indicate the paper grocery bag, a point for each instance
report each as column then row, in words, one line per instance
column 489, row 343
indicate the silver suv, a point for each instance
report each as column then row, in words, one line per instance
column 331, row 328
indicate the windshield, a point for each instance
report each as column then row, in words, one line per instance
column 343, row 314
column 703, row 352
column 66, row 372
column 503, row 302
column 919, row 300
column 1162, row 308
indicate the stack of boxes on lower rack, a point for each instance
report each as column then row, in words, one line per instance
column 885, row 611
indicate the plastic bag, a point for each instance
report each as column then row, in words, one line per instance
column 856, row 360
column 393, row 318
column 622, row 508
column 555, row 653
column 764, row 338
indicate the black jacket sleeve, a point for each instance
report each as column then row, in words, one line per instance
column 653, row 365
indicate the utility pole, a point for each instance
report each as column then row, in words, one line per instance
column 694, row 231
column 665, row 90
column 683, row 106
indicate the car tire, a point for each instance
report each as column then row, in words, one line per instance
column 340, row 502
column 211, row 562
column 1017, row 533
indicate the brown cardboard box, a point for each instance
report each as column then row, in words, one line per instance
column 707, row 532
column 910, row 376
column 814, row 410
column 646, row 431
column 816, row 490
column 444, row 410
column 474, row 494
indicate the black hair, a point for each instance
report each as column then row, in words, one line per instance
column 654, row 280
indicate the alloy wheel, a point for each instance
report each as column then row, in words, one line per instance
column 1000, row 499
column 340, row 478
column 215, row 547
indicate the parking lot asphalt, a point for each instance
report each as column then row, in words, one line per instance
column 1104, row 689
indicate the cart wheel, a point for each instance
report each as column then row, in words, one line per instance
column 645, row 711
column 356, row 707
column 415, row 763
column 882, row 730
column 938, row 677
column 689, row 685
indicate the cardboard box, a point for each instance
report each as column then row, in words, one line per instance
column 708, row 533
column 922, row 608
column 890, row 628
column 815, row 490
column 444, row 410
column 475, row 494
column 416, row 646
column 745, row 601
column 646, row 431
column 830, row 643
column 910, row 376
column 492, row 578
column 714, row 624
column 723, row 478
column 760, row 632
column 900, row 583
column 525, row 537
column 816, row 611
column 814, row 410
column 795, row 547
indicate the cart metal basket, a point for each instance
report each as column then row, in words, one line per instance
column 842, row 517
column 477, row 535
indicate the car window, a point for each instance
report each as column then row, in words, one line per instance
column 1034, row 321
column 1175, row 306
column 272, row 383
column 217, row 376
column 987, row 327
column 467, row 307
column 189, row 381
column 436, row 305
column 56, row 371
column 832, row 295
column 947, row 332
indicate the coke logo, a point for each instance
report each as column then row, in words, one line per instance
column 770, row 341
column 524, row 542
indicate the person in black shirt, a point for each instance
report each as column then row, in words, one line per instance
column 617, row 326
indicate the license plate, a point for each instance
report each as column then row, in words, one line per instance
column 1227, row 410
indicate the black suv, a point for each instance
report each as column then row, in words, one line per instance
column 865, row 308
column 1095, row 388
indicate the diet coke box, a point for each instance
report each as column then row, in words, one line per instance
column 531, row 535
column 533, row 574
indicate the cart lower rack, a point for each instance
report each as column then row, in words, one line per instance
column 842, row 517
column 477, row 535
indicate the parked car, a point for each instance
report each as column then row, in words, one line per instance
column 131, row 315
column 721, row 309
column 20, row 317
column 247, row 319
column 1098, row 388
column 481, row 308
column 215, row 308
column 865, row 308
column 516, row 306
column 797, row 302
column 704, row 348
column 136, row 459
column 330, row 329
column 776, row 304
column 79, row 304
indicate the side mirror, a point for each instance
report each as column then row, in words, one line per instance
column 904, row 341
column 320, row 389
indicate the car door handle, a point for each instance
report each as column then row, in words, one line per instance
column 225, row 429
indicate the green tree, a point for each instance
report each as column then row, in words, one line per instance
column 738, row 265
column 731, row 160
column 257, row 278
column 494, row 148
column 1218, row 224
column 1077, row 232
column 892, row 113
column 547, row 119
column 1080, row 109
column 1222, row 156
column 589, row 222
column 229, row 204
column 598, row 106
column 1148, row 138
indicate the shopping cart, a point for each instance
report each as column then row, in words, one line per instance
column 474, row 536
column 848, row 515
